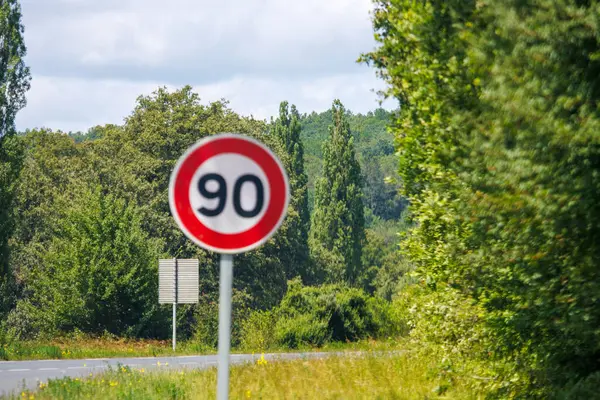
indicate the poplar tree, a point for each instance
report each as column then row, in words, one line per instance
column 337, row 227
column 287, row 129
column 14, row 74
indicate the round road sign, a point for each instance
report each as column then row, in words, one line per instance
column 229, row 193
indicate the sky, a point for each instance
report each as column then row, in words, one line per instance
column 91, row 59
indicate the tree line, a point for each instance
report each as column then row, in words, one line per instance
column 89, row 219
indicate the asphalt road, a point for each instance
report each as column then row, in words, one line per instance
column 16, row 375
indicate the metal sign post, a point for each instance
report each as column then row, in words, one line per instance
column 177, row 283
column 229, row 194
column 225, row 285
column 175, row 306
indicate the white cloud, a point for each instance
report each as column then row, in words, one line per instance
column 192, row 41
column 72, row 104
column 77, row 104
column 90, row 59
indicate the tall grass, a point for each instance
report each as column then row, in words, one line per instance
column 401, row 376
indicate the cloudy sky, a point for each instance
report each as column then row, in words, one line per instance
column 90, row 59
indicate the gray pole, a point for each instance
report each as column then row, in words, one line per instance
column 175, row 309
column 226, row 277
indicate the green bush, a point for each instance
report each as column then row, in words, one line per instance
column 257, row 332
column 98, row 273
column 389, row 320
column 206, row 331
column 314, row 316
column 302, row 330
column 318, row 315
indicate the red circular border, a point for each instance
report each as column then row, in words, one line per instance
column 212, row 238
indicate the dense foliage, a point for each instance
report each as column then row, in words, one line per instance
column 500, row 158
column 14, row 83
column 14, row 74
column 287, row 130
column 317, row 315
column 374, row 151
column 337, row 227
column 90, row 218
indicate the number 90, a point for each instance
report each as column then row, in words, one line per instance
column 221, row 195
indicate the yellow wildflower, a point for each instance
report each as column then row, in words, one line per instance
column 113, row 383
column 248, row 394
column 262, row 360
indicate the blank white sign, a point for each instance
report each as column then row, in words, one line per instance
column 187, row 281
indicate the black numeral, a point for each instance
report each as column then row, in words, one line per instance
column 221, row 194
column 260, row 196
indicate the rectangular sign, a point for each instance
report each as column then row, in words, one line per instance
column 166, row 281
column 187, row 281
column 182, row 288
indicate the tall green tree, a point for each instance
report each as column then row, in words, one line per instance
column 14, row 83
column 287, row 129
column 500, row 156
column 14, row 74
column 337, row 231
column 99, row 273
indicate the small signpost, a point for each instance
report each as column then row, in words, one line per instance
column 177, row 284
column 229, row 194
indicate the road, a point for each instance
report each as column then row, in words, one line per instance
column 16, row 375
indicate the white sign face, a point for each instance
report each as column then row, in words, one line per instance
column 229, row 183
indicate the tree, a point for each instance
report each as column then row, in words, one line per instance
column 98, row 274
column 287, row 129
column 500, row 156
column 14, row 74
column 14, row 82
column 11, row 158
column 337, row 227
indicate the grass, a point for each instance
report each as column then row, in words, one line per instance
column 409, row 375
column 78, row 348
column 94, row 348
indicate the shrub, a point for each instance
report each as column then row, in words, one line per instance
column 257, row 332
column 206, row 332
column 98, row 273
column 316, row 315
column 302, row 330
column 388, row 320
column 443, row 317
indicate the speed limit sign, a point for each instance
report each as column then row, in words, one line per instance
column 229, row 193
